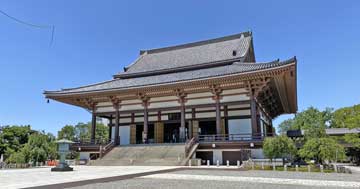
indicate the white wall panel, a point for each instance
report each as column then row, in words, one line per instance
column 195, row 95
column 163, row 98
column 125, row 120
column 199, row 101
column 205, row 115
column 131, row 107
column 152, row 118
column 164, row 104
column 105, row 109
column 234, row 98
column 239, row 113
column 233, row 91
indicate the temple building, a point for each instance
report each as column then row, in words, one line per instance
column 212, row 93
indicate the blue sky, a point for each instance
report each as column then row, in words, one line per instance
column 95, row 39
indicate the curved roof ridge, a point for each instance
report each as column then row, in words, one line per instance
column 198, row 43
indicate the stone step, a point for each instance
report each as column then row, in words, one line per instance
column 166, row 154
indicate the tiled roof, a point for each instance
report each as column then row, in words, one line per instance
column 208, row 51
column 230, row 69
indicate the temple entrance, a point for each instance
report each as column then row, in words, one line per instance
column 207, row 127
column 139, row 131
column 172, row 132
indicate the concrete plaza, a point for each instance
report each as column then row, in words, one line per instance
column 171, row 177
column 35, row 177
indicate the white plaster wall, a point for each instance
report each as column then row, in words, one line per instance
column 105, row 109
column 188, row 116
column 240, row 106
column 239, row 113
column 125, row 120
column 164, row 104
column 154, row 99
column 234, row 98
column 131, row 107
column 217, row 155
column 206, row 115
column 152, row 118
column 199, row 101
column 195, row 95
column 232, row 91
column 139, row 119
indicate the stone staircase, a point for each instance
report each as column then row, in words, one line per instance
column 144, row 155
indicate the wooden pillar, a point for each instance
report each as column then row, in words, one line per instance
column 216, row 90
column 110, row 127
column 93, row 127
column 117, row 124
column 182, row 121
column 223, row 128
column 218, row 114
column 254, row 122
column 190, row 130
column 146, row 126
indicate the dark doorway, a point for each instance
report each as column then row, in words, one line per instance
column 232, row 156
column 207, row 127
column 172, row 132
column 139, row 131
column 204, row 156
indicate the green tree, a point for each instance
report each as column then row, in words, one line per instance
column 67, row 132
column 348, row 117
column 82, row 131
column 313, row 122
column 286, row 125
column 16, row 157
column 322, row 149
column 13, row 138
column 279, row 147
column 39, row 148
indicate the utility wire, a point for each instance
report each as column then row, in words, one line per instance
column 32, row 25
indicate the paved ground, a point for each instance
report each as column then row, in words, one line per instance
column 171, row 177
column 233, row 179
column 21, row 178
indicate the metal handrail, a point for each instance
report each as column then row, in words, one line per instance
column 233, row 137
column 91, row 142
column 189, row 145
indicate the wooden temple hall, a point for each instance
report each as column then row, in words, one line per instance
column 210, row 92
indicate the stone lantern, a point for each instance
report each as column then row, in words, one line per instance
column 64, row 149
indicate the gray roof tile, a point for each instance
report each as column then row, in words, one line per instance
column 192, row 54
column 234, row 68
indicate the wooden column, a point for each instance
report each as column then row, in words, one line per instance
column 117, row 124
column 182, row 121
column 110, row 127
column 216, row 90
column 254, row 123
column 218, row 115
column 93, row 127
column 146, row 126
column 181, row 95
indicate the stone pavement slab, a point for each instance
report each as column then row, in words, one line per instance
column 23, row 178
